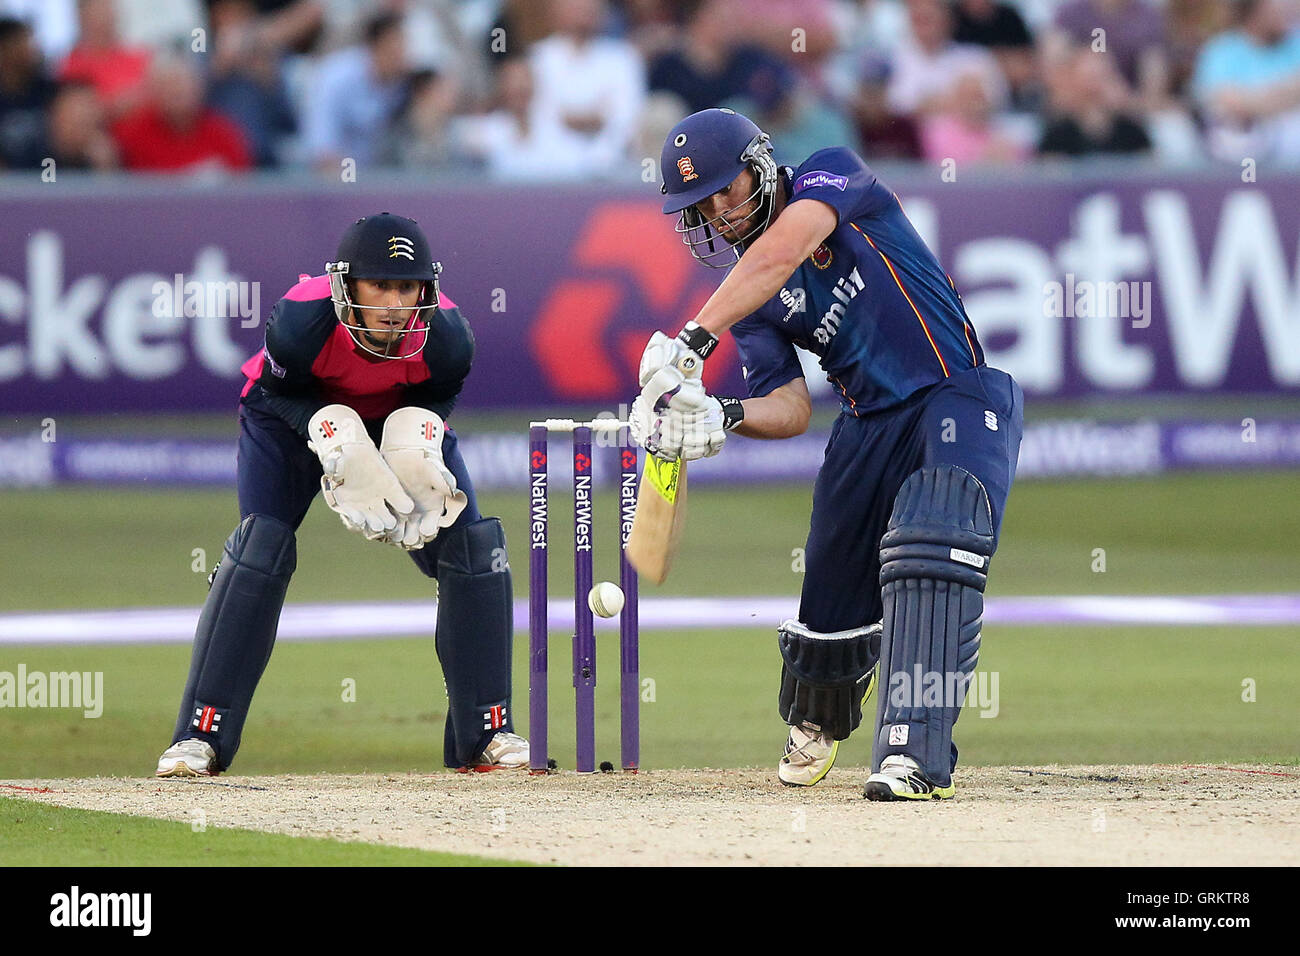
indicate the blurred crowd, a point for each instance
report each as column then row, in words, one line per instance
column 586, row 89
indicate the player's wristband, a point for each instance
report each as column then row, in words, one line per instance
column 698, row 339
column 733, row 412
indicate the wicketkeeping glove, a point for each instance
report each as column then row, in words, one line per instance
column 358, row 485
column 412, row 447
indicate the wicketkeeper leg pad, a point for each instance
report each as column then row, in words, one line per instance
column 236, row 633
column 474, row 636
column 934, row 561
column 825, row 676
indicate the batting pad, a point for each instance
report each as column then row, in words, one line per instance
column 934, row 564
column 823, row 676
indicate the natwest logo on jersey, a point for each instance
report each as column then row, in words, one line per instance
column 627, row 261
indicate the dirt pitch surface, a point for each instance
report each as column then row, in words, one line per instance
column 1162, row 815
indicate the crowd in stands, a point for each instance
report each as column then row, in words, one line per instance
column 585, row 90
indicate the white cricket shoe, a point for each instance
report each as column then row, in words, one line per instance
column 809, row 755
column 188, row 758
column 505, row 751
column 900, row 778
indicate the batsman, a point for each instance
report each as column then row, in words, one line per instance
column 361, row 367
column 909, row 499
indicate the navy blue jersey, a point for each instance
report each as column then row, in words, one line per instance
column 872, row 302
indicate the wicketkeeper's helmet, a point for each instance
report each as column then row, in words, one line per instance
column 385, row 247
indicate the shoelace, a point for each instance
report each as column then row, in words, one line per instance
column 814, row 737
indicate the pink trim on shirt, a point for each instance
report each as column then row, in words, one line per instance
column 313, row 287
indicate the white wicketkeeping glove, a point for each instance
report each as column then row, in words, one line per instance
column 671, row 434
column 412, row 447
column 358, row 485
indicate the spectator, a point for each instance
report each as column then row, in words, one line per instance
column 54, row 23
column 1132, row 34
column 244, row 79
column 798, row 122
column 772, row 25
column 965, row 131
column 1090, row 110
column 421, row 135
column 174, row 131
column 927, row 69
column 507, row 140
column 357, row 94
column 78, row 131
column 1247, row 82
column 589, row 89
column 885, row 134
column 1191, row 23
column 117, row 72
column 25, row 95
column 999, row 28
column 712, row 65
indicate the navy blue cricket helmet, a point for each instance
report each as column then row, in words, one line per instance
column 703, row 154
column 385, row 247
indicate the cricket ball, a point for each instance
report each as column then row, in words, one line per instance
column 605, row 599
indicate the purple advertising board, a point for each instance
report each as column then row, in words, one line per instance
column 142, row 297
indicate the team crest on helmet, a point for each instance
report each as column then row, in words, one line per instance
column 686, row 169
column 822, row 257
column 400, row 246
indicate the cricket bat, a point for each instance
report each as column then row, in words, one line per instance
column 660, row 515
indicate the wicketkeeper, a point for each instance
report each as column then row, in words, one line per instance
column 910, row 496
column 362, row 366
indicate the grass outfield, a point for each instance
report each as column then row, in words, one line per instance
column 1075, row 696
column 87, row 547
column 32, row 834
column 1071, row 694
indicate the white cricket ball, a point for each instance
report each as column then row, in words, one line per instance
column 605, row 599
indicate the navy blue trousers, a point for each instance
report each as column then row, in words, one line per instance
column 973, row 420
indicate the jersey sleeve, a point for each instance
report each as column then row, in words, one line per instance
column 838, row 177
column 449, row 354
column 286, row 386
column 768, row 359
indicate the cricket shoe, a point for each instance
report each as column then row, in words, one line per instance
column 809, row 755
column 505, row 751
column 188, row 758
column 899, row 778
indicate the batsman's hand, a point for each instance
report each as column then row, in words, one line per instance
column 357, row 483
column 412, row 447
column 671, row 434
column 685, row 353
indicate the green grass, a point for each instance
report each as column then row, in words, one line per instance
column 1072, row 695
column 33, row 834
column 1103, row 694
column 1193, row 533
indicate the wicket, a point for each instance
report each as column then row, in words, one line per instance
column 584, row 638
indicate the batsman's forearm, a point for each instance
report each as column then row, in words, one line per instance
column 755, row 279
column 771, row 418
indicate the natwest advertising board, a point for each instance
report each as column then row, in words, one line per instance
column 122, row 298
